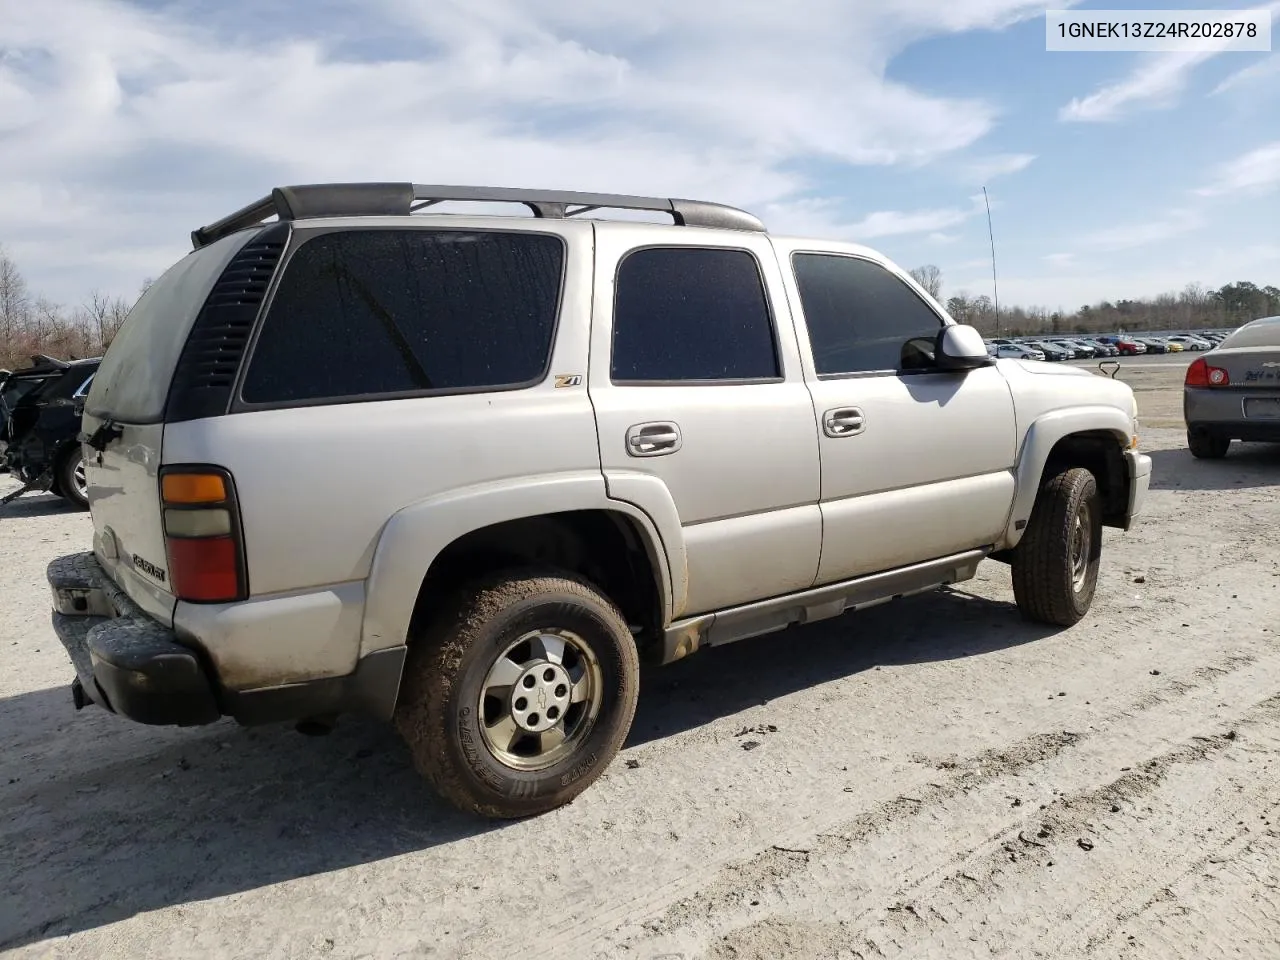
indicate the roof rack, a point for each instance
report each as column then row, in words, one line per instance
column 402, row 199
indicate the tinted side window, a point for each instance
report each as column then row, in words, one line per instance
column 682, row 313
column 859, row 314
column 363, row 312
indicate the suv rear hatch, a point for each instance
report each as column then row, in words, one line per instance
column 175, row 334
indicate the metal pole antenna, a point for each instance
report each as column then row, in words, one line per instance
column 995, row 289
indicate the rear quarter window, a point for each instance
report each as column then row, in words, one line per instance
column 376, row 313
column 132, row 384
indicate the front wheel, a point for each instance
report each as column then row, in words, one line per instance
column 1055, row 564
column 519, row 696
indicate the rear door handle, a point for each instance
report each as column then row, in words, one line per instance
column 843, row 422
column 653, row 439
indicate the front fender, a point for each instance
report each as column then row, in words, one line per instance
column 415, row 535
column 1041, row 437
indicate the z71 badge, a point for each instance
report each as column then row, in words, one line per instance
column 568, row 380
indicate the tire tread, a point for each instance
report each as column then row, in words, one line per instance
column 1041, row 587
column 433, row 669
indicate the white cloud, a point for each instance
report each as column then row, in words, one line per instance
column 1157, row 81
column 1126, row 236
column 155, row 124
column 1256, row 172
column 1060, row 260
column 1251, row 78
column 825, row 218
column 984, row 169
column 890, row 223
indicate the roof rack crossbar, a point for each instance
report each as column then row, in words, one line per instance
column 396, row 199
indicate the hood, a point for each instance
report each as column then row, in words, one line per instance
column 1044, row 369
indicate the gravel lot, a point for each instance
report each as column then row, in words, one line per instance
column 932, row 778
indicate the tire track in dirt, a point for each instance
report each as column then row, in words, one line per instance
column 963, row 795
column 1202, row 913
column 1006, row 897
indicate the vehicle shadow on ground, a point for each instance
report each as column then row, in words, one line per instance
column 102, row 820
column 945, row 625
column 1246, row 465
column 35, row 505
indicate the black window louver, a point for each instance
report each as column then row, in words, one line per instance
column 210, row 360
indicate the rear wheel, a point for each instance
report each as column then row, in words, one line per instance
column 1206, row 445
column 1055, row 564
column 517, row 697
column 71, row 482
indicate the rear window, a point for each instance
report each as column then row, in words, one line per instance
column 15, row 390
column 132, row 384
column 1265, row 333
column 362, row 313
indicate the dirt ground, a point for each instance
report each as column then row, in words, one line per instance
column 932, row 778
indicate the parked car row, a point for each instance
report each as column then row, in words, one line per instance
column 1056, row 348
column 40, row 409
column 1110, row 345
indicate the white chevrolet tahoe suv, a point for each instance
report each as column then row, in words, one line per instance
column 465, row 472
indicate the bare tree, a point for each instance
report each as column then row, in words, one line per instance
column 929, row 277
column 117, row 312
column 15, row 305
column 103, row 317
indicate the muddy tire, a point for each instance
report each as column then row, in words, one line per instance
column 1205, row 445
column 1055, row 565
column 519, row 694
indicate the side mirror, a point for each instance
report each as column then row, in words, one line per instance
column 961, row 347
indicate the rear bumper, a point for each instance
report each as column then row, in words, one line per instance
column 1222, row 413
column 1256, row 431
column 132, row 665
column 125, row 661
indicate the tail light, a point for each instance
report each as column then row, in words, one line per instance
column 202, row 534
column 1201, row 373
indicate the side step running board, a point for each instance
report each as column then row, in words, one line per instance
column 830, row 600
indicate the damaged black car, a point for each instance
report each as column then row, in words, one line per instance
column 40, row 407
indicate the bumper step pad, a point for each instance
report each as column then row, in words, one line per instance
column 124, row 660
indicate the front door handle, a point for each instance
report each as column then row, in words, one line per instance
column 843, row 422
column 653, row 439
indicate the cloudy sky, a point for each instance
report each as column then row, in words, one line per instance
column 126, row 123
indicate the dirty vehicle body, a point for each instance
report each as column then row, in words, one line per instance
column 577, row 443
column 1233, row 391
column 43, row 425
